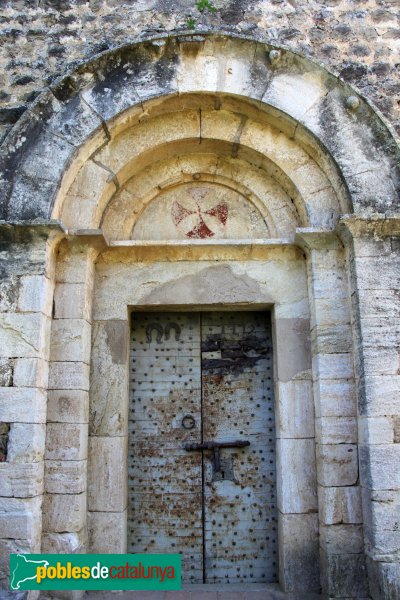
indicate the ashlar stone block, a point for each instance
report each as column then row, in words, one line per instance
column 340, row 505
column 379, row 466
column 336, row 430
column 107, row 532
column 295, row 409
column 68, row 375
column 380, row 395
column 344, row 575
column 337, row 464
column 64, row 512
column 67, row 406
column 335, row 398
column 66, row 441
column 376, row 430
column 333, row 366
column 21, row 480
column 75, row 265
column 20, row 518
column 72, row 301
column 384, row 579
column 296, row 479
column 70, row 340
column 107, row 478
column 31, row 372
column 22, row 405
column 26, row 442
column 65, row 476
column 64, row 543
column 298, row 559
column 22, row 335
column 35, row 294
column 342, row 538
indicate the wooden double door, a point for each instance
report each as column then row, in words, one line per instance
column 202, row 444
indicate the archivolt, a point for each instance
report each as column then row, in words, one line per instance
column 214, row 104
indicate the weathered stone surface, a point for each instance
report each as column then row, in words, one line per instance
column 338, row 539
column 296, row 475
column 335, row 398
column 35, row 294
column 21, row 480
column 107, row 532
column 22, row 335
column 63, row 513
column 337, row 464
column 68, row 375
column 333, row 366
column 203, row 282
column 379, row 395
column 377, row 332
column 384, row 579
column 381, row 361
column 340, row 505
column 344, row 574
column 300, row 557
column 336, row 430
column 9, row 289
column 331, row 338
column 293, row 352
column 6, row 373
column 70, row 340
column 65, row 476
column 295, row 409
column 68, row 406
column 377, row 273
column 382, row 544
column 66, row 441
column 108, row 397
column 20, row 518
column 63, row 543
column 379, row 466
column 72, row 301
column 22, row 405
column 92, row 182
column 31, row 372
column 107, row 478
column 26, row 443
column 376, row 430
column 75, row 265
column 379, row 303
column 8, row 547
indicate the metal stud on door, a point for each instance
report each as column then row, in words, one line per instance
column 165, row 499
column 240, row 526
column 202, row 443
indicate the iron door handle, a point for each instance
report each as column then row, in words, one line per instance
column 216, row 447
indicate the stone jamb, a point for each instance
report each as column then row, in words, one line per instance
column 339, row 494
column 372, row 247
column 65, row 478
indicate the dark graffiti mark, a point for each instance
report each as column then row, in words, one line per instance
column 149, row 332
column 160, row 332
column 177, row 331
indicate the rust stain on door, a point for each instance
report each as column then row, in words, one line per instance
column 204, row 381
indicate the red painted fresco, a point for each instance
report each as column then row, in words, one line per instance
column 201, row 230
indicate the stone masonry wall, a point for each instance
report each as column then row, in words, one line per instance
column 41, row 40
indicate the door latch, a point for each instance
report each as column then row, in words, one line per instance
column 216, row 448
